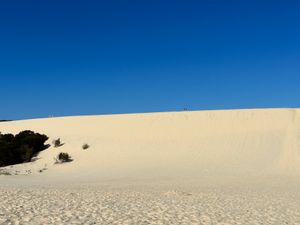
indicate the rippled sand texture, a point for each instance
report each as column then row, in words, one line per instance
column 147, row 205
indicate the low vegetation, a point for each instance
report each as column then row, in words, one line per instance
column 63, row 158
column 20, row 148
column 57, row 143
column 85, row 146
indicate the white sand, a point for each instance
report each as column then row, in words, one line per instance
column 209, row 167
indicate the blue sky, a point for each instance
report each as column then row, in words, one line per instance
column 93, row 57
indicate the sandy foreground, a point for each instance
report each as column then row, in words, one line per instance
column 166, row 202
column 209, row 167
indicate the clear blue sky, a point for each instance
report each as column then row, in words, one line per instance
column 62, row 57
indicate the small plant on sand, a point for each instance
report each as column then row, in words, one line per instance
column 85, row 146
column 63, row 158
column 57, row 143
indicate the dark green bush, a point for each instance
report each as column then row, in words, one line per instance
column 21, row 147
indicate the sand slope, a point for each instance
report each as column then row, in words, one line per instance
column 210, row 167
column 177, row 144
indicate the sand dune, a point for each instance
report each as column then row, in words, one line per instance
column 188, row 144
column 206, row 167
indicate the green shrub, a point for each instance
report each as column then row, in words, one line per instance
column 21, row 147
